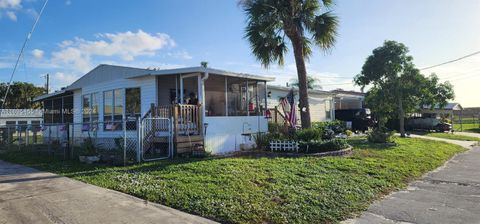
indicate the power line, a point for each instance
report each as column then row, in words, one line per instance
column 29, row 35
column 451, row 61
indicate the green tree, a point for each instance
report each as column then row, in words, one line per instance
column 312, row 83
column 397, row 87
column 21, row 95
column 303, row 22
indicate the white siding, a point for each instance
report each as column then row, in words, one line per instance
column 317, row 103
column 148, row 93
column 224, row 134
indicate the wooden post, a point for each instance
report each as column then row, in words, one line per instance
column 276, row 111
column 152, row 110
column 175, row 120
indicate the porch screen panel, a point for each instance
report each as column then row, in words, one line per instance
column 57, row 111
column 253, row 98
column 262, row 97
column 68, row 109
column 47, row 115
column 236, row 97
column 132, row 99
column 132, row 107
column 215, row 96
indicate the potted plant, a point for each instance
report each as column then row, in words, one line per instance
column 89, row 152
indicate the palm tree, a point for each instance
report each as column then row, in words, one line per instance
column 312, row 83
column 303, row 21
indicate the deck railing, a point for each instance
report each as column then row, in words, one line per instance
column 187, row 119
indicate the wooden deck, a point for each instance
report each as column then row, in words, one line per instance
column 188, row 135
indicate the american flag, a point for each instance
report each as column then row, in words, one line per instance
column 289, row 109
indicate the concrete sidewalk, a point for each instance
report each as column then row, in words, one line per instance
column 471, row 134
column 31, row 196
column 450, row 194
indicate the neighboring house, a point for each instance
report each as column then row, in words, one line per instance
column 17, row 125
column 321, row 103
column 347, row 100
column 21, row 117
column 231, row 107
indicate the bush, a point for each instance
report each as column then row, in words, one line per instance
column 328, row 134
column 262, row 140
column 323, row 146
column 308, row 134
column 336, row 126
column 348, row 133
column 380, row 135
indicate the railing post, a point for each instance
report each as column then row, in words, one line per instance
column 175, row 120
column 152, row 110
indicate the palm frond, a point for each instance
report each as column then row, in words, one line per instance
column 324, row 30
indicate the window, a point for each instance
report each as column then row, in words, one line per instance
column 113, row 109
column 132, row 107
column 328, row 109
column 90, row 107
column 86, row 108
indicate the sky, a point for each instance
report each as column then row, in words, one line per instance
column 74, row 36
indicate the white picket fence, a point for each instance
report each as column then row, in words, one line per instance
column 285, row 146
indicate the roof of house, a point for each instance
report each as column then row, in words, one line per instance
column 286, row 89
column 104, row 72
column 449, row 106
column 347, row 92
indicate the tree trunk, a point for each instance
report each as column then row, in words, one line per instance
column 401, row 116
column 302, row 80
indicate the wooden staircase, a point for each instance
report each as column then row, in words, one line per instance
column 187, row 130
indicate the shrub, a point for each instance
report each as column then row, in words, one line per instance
column 262, row 140
column 308, row 134
column 380, row 135
column 337, row 126
column 328, row 134
column 348, row 133
column 323, row 146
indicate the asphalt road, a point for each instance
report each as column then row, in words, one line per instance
column 450, row 194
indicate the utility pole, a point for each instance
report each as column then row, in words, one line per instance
column 47, row 77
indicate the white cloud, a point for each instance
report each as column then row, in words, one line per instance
column 61, row 79
column 12, row 4
column 37, row 53
column 127, row 46
column 181, row 55
column 11, row 15
column 8, row 8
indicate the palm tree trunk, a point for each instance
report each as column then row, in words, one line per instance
column 297, row 42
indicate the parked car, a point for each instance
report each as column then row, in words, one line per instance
column 356, row 119
column 428, row 124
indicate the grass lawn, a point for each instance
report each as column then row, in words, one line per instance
column 467, row 127
column 270, row 190
column 449, row 136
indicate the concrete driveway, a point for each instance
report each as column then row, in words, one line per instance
column 450, row 194
column 31, row 196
